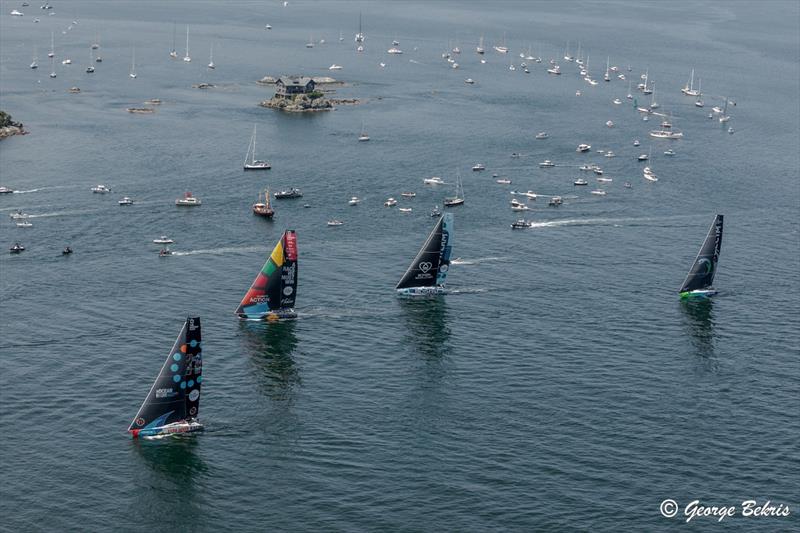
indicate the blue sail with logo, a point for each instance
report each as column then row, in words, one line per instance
column 173, row 403
column 428, row 271
column 700, row 279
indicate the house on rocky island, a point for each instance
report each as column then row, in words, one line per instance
column 291, row 86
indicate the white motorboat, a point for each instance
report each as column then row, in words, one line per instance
column 335, row 222
column 478, row 167
column 163, row 240
column 405, row 209
column 599, row 192
column 188, row 200
column 126, row 201
column 390, row 202
column 555, row 201
column 100, row 189
column 580, row 181
column 335, row 67
column 503, row 181
column 434, row 180
column 583, row 148
column 542, row 135
column 355, row 200
column 408, row 194
column 666, row 134
column 547, row 163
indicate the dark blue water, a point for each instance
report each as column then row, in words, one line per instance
column 561, row 386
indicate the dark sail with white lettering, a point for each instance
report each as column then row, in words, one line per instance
column 173, row 403
column 701, row 276
column 428, row 270
column 273, row 292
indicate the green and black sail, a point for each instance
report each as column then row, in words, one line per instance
column 701, row 275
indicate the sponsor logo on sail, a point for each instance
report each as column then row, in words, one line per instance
column 425, row 266
column 165, row 393
column 194, row 395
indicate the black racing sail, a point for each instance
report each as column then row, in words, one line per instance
column 175, row 395
column 429, row 268
column 701, row 275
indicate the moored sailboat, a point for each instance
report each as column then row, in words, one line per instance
column 250, row 161
column 272, row 295
column 173, row 403
column 428, row 271
column 458, row 199
column 699, row 281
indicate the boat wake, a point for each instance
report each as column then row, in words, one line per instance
column 476, row 261
column 467, row 290
column 62, row 214
column 583, row 222
column 220, row 251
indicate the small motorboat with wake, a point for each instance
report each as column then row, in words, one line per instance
column 125, row 201
column 436, row 212
column 335, row 222
column 521, row 224
column 164, row 252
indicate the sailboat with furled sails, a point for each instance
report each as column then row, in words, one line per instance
column 272, row 295
column 699, row 281
column 427, row 273
column 173, row 403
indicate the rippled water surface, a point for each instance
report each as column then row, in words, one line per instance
column 560, row 386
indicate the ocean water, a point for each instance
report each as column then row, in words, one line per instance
column 560, row 386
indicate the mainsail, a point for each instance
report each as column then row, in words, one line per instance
column 174, row 398
column 429, row 268
column 274, row 290
column 701, row 275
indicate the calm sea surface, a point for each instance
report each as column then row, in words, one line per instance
column 561, row 386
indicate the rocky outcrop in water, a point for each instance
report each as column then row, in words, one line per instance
column 8, row 127
column 299, row 104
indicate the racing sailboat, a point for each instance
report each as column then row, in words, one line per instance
column 428, row 271
column 271, row 296
column 699, row 281
column 173, row 402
